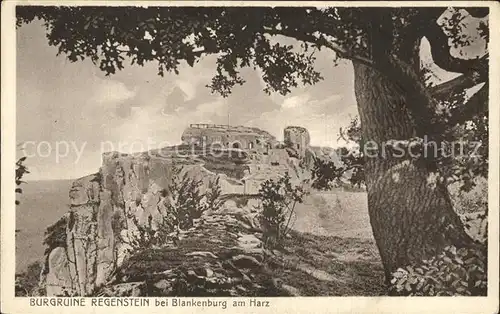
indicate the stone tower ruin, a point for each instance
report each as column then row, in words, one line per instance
column 297, row 138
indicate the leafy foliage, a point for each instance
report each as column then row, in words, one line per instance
column 110, row 36
column 21, row 170
column 326, row 174
column 27, row 283
column 212, row 196
column 462, row 156
column 55, row 235
column 279, row 198
column 146, row 236
column 453, row 272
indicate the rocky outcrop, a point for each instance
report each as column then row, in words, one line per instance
column 101, row 208
column 219, row 256
column 93, row 239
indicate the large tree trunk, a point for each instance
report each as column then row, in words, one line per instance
column 411, row 214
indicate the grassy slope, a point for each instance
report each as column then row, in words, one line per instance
column 331, row 266
column 337, row 213
column 333, row 251
column 312, row 265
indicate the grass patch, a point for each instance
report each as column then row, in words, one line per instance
column 359, row 275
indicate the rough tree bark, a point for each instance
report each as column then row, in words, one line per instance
column 411, row 214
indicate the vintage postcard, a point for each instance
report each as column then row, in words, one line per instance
column 271, row 157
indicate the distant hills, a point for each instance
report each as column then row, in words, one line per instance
column 41, row 204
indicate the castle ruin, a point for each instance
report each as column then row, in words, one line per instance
column 268, row 156
column 226, row 136
column 246, row 138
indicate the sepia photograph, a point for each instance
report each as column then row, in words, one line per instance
column 253, row 151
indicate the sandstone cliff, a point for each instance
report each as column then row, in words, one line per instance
column 88, row 245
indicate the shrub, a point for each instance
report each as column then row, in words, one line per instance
column 453, row 272
column 326, row 175
column 146, row 236
column 184, row 202
column 27, row 283
column 212, row 196
column 55, row 235
column 278, row 201
column 21, row 170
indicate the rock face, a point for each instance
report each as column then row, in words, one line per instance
column 100, row 218
column 91, row 242
column 219, row 255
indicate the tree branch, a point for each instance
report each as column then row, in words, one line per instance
column 442, row 57
column 477, row 12
column 421, row 100
column 321, row 41
column 453, row 86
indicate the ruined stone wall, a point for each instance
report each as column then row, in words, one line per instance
column 229, row 137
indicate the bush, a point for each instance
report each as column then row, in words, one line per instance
column 279, row 199
column 453, row 272
column 184, row 203
column 146, row 236
column 27, row 283
column 212, row 196
column 326, row 175
column 21, row 170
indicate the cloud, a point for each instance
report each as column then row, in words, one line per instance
column 76, row 101
column 111, row 92
column 295, row 101
column 301, row 110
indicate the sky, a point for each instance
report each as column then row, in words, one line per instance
column 69, row 113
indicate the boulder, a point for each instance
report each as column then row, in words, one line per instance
column 245, row 261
